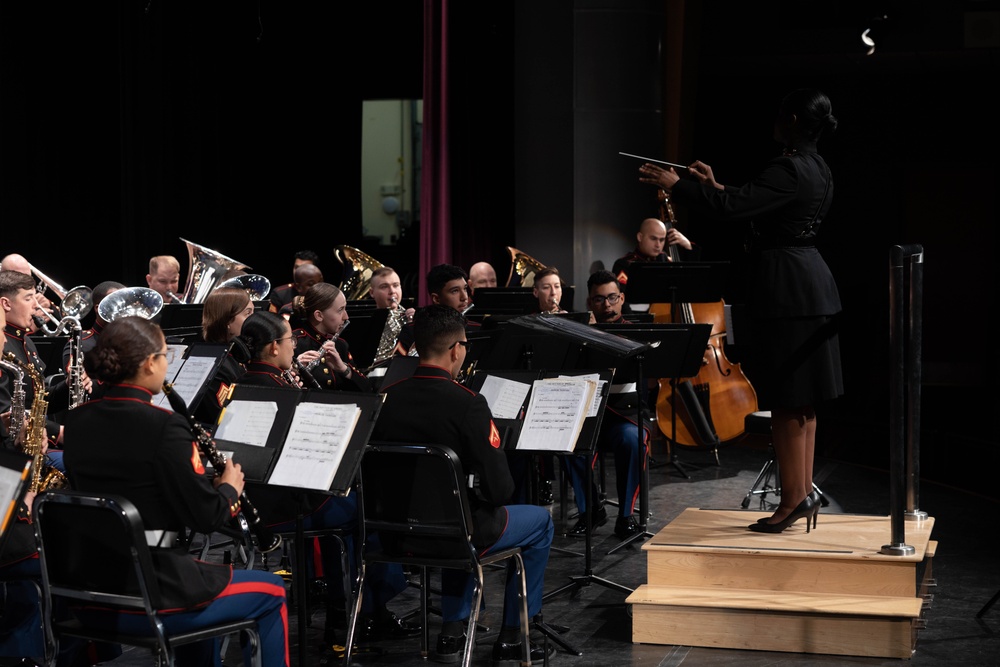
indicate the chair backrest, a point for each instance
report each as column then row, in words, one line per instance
column 414, row 498
column 93, row 548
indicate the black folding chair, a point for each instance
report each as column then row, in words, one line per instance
column 70, row 526
column 414, row 498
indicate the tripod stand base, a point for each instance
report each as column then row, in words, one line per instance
column 553, row 632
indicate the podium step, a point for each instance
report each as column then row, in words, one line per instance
column 749, row 619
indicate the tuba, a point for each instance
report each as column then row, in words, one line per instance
column 257, row 286
column 206, row 268
column 140, row 301
column 524, row 266
column 357, row 280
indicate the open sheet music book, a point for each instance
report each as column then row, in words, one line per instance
column 555, row 413
column 189, row 372
column 314, row 444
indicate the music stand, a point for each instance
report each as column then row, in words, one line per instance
column 674, row 349
column 15, row 468
column 282, row 461
column 181, row 320
column 676, row 283
column 585, row 337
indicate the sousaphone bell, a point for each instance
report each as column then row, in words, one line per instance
column 139, row 301
column 206, row 270
column 257, row 286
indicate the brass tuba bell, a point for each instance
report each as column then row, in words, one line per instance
column 524, row 266
column 357, row 282
column 206, row 267
column 257, row 286
column 140, row 301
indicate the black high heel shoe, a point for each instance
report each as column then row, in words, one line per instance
column 804, row 509
column 817, row 500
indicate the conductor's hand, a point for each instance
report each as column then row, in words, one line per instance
column 231, row 475
column 704, row 174
column 658, row 176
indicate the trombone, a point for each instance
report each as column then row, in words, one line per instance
column 74, row 304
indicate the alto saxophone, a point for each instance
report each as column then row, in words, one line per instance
column 10, row 362
column 390, row 333
column 43, row 475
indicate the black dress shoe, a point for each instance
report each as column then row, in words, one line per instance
column 580, row 529
column 387, row 627
column 449, row 649
column 509, row 655
column 625, row 527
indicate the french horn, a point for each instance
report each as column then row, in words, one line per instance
column 357, row 282
column 524, row 266
column 257, row 286
column 206, row 269
column 140, row 301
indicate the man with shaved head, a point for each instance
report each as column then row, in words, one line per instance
column 651, row 242
column 482, row 275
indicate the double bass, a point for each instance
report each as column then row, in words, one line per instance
column 711, row 406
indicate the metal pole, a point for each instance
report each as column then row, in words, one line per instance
column 914, row 347
column 897, row 416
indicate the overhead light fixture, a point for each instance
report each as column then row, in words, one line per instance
column 877, row 29
column 868, row 41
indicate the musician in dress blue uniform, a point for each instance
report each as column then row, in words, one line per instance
column 122, row 444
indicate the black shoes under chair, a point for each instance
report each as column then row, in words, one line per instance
column 449, row 651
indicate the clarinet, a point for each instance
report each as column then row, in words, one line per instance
column 267, row 541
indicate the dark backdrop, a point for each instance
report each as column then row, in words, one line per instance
column 125, row 126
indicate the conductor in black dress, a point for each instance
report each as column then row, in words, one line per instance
column 793, row 300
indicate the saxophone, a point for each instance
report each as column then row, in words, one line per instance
column 390, row 333
column 77, row 393
column 10, row 362
column 43, row 475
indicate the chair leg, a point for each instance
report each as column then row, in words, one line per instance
column 762, row 486
column 355, row 613
column 525, row 624
column 477, row 600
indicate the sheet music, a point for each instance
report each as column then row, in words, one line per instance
column 315, row 445
column 189, row 380
column 504, row 396
column 10, row 482
column 555, row 413
column 248, row 422
column 595, row 405
column 179, row 350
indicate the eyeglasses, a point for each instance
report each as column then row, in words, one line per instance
column 295, row 341
column 611, row 298
column 463, row 343
column 169, row 354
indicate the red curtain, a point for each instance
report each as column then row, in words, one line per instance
column 435, row 213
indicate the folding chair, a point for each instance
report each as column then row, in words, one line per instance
column 70, row 526
column 414, row 498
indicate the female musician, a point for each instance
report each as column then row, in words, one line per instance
column 323, row 310
column 225, row 309
column 269, row 339
column 154, row 461
column 794, row 299
column 548, row 290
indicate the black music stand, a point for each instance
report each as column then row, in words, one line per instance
column 259, row 468
column 15, row 469
column 674, row 350
column 616, row 351
column 677, row 283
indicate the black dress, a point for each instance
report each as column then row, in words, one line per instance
column 794, row 351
